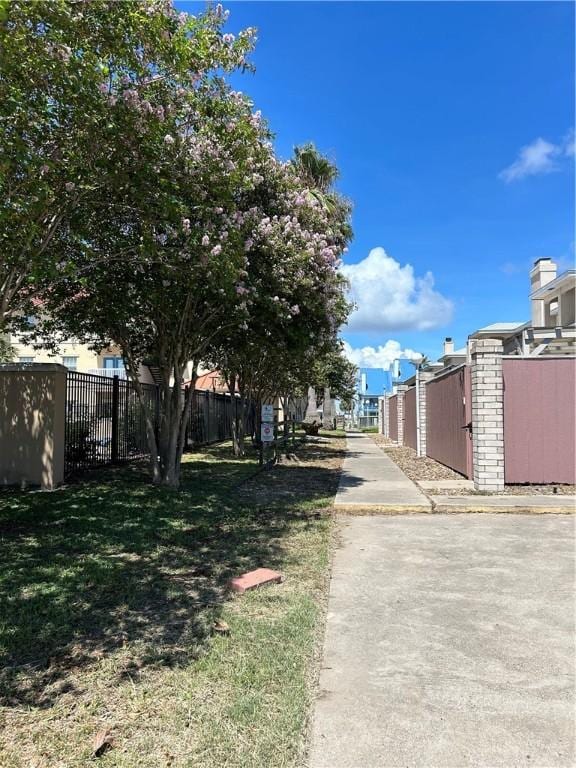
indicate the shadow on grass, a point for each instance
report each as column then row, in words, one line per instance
column 113, row 562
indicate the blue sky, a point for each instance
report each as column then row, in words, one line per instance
column 426, row 108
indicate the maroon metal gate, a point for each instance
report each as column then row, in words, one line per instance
column 410, row 426
column 539, row 419
column 448, row 420
column 393, row 413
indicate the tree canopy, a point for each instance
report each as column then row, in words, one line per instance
column 145, row 206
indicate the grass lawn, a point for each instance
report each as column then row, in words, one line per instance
column 109, row 589
column 332, row 432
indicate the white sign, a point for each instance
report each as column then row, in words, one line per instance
column 267, row 433
column 267, row 413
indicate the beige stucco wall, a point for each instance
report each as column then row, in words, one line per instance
column 32, row 410
column 87, row 358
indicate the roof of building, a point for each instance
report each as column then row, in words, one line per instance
column 212, row 380
column 567, row 277
column 499, row 329
column 455, row 353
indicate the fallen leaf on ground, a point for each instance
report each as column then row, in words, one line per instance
column 220, row 627
column 103, row 741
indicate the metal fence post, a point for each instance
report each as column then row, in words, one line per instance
column 187, row 394
column 115, row 418
column 157, row 414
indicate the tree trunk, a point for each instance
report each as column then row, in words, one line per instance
column 166, row 433
column 311, row 414
column 174, row 412
column 149, row 417
column 237, row 445
column 240, row 425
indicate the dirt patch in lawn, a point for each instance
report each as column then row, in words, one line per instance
column 303, row 473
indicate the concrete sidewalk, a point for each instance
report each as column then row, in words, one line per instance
column 371, row 482
column 449, row 644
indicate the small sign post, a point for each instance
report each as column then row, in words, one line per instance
column 267, row 414
column 266, row 432
column 267, row 435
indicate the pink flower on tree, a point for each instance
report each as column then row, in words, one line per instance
column 205, row 240
column 216, row 251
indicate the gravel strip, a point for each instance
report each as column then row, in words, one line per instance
column 425, row 468
column 511, row 490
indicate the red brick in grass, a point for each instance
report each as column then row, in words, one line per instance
column 254, row 579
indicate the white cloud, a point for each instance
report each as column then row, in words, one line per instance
column 389, row 297
column 379, row 357
column 539, row 157
column 569, row 145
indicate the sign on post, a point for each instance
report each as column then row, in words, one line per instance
column 268, row 413
column 267, row 432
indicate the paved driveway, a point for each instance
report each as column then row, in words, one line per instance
column 450, row 642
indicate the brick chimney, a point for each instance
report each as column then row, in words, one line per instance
column 448, row 346
column 543, row 271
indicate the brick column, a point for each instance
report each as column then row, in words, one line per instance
column 487, row 415
column 401, row 389
column 380, row 415
column 425, row 377
column 386, row 416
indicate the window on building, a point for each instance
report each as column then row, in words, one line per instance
column 114, row 361
column 26, row 359
column 70, row 362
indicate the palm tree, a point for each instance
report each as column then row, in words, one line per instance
column 320, row 173
column 420, row 363
column 316, row 169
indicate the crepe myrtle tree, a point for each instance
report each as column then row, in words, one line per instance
column 178, row 228
column 332, row 370
column 293, row 292
column 78, row 82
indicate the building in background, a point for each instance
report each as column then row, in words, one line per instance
column 366, row 409
column 551, row 330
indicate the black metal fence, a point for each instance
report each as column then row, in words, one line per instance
column 105, row 422
column 212, row 415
